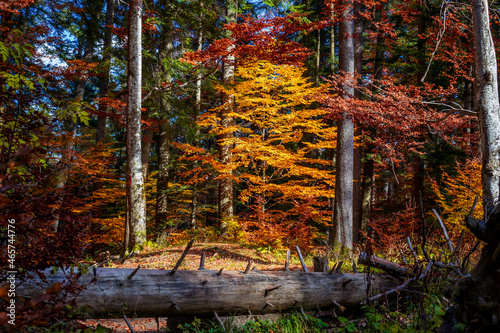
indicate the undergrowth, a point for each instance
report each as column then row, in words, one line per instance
column 288, row 323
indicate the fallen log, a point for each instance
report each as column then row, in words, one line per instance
column 386, row 265
column 158, row 293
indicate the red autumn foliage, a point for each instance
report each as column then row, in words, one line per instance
column 268, row 39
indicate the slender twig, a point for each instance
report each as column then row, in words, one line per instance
column 460, row 240
column 268, row 290
column 301, row 259
column 249, row 265
column 220, row 321
column 339, row 267
column 287, row 261
column 128, row 324
column 424, row 229
column 415, row 257
column 444, row 14
column 466, row 258
column 450, row 107
column 163, row 90
column 402, row 286
column 202, row 261
column 450, row 245
column 471, row 212
column 133, row 273
column 179, row 262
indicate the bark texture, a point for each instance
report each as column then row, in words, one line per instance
column 135, row 182
column 158, row 293
column 104, row 80
column 342, row 234
column 164, row 137
column 486, row 102
column 332, row 39
column 477, row 295
column 358, row 152
column 226, row 195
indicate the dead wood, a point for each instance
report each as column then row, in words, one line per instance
column 158, row 293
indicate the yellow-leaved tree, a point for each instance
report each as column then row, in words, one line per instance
column 455, row 196
column 279, row 150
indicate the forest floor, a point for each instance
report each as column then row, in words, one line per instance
column 231, row 257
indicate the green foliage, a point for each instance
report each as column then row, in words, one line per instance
column 74, row 112
column 424, row 315
column 289, row 323
column 233, row 230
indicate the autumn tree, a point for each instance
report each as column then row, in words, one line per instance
column 274, row 113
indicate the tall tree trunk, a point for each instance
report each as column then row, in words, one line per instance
column 135, row 181
column 62, row 179
column 197, row 112
column 226, row 195
column 368, row 167
column 147, row 142
column 366, row 196
column 163, row 176
column 418, row 162
column 477, row 295
column 358, row 65
column 104, row 92
column 468, row 94
column 332, row 39
column 342, row 217
column 164, row 137
column 104, row 80
column 486, row 103
column 318, row 56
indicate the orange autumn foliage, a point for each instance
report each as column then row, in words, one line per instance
column 105, row 204
column 455, row 196
column 278, row 138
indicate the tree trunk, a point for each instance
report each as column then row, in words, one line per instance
column 104, row 80
column 157, row 293
column 486, row 103
column 477, row 295
column 368, row 167
column 163, row 175
column 358, row 65
column 332, row 39
column 164, row 137
column 318, row 57
column 197, row 112
column 342, row 217
column 135, row 181
column 147, row 142
column 66, row 157
column 418, row 181
column 366, row 197
column 226, row 195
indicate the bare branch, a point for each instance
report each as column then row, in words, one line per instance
column 444, row 14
